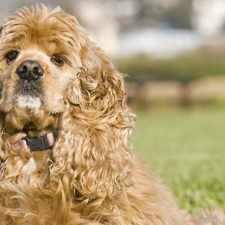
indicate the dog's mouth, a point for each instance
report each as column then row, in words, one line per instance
column 29, row 86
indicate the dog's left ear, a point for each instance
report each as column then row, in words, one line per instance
column 100, row 86
column 95, row 130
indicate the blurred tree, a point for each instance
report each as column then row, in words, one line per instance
column 147, row 13
column 179, row 16
column 151, row 13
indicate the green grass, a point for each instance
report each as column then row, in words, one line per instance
column 187, row 149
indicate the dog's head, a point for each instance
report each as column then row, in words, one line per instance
column 53, row 77
column 40, row 56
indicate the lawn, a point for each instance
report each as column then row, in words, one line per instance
column 187, row 149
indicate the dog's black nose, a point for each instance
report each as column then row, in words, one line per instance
column 30, row 70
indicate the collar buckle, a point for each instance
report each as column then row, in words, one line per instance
column 41, row 143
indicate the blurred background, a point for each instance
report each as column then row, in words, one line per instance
column 172, row 50
column 174, row 54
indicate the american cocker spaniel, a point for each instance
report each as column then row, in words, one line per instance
column 65, row 155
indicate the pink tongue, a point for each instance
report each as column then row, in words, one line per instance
column 19, row 144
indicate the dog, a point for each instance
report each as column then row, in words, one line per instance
column 65, row 127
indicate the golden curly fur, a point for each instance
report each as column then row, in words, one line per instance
column 91, row 175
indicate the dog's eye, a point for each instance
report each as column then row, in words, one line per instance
column 57, row 59
column 11, row 56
